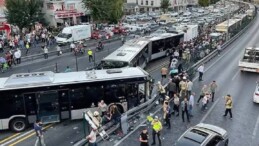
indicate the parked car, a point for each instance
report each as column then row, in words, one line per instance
column 256, row 93
column 101, row 35
column 203, row 135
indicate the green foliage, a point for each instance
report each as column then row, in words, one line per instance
column 204, row 3
column 24, row 13
column 164, row 5
column 105, row 10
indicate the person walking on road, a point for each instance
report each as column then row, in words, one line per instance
column 92, row 137
column 164, row 72
column 72, row 47
column 157, row 127
column 201, row 71
column 185, row 109
column 46, row 51
column 189, row 87
column 167, row 115
column 213, row 87
column 191, row 103
column 39, row 133
column 161, row 91
column 219, row 49
column 143, row 138
column 58, row 50
column 90, row 55
column 205, row 101
column 171, row 88
column 204, row 90
column 27, row 46
column 17, row 55
column 228, row 105
column 176, row 105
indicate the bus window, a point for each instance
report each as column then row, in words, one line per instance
column 142, row 92
column 10, row 104
column 114, row 93
column 94, row 94
column 132, row 95
column 78, row 99
column 157, row 46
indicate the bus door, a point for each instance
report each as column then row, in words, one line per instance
column 31, row 107
column 48, row 104
column 64, row 104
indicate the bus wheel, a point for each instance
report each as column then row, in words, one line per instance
column 18, row 124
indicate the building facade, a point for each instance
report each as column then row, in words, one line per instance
column 154, row 5
column 69, row 12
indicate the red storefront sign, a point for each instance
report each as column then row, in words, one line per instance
column 68, row 14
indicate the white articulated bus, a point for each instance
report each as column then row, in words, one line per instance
column 140, row 51
column 53, row 97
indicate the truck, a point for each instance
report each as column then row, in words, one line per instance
column 190, row 31
column 74, row 34
column 250, row 60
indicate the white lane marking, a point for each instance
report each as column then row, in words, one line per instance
column 235, row 75
column 209, row 111
column 46, row 67
column 256, row 128
column 119, row 142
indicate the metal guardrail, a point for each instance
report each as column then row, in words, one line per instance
column 67, row 50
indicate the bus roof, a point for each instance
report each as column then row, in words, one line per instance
column 155, row 37
column 48, row 78
column 128, row 51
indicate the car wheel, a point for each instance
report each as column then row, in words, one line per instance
column 18, row 124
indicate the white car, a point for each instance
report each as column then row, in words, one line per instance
column 256, row 93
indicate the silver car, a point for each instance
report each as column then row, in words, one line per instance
column 203, row 135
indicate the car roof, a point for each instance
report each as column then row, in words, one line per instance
column 192, row 137
column 212, row 128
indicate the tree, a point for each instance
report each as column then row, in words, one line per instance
column 105, row 10
column 164, row 5
column 23, row 13
column 204, row 3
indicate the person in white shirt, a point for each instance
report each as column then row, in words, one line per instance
column 205, row 101
column 201, row 71
column 176, row 54
column 189, row 87
column 17, row 55
column 46, row 51
column 92, row 137
column 191, row 103
column 72, row 47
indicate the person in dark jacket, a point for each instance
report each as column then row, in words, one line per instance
column 171, row 88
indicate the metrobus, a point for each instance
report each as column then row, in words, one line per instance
column 140, row 51
column 53, row 97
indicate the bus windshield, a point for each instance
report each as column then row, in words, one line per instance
column 64, row 35
column 112, row 64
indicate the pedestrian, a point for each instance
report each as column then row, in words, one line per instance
column 213, row 86
column 219, row 49
column 171, row 88
column 98, row 118
column 167, row 114
column 27, row 46
column 204, row 90
column 58, row 50
column 183, row 86
column 191, row 104
column 143, row 138
column 189, row 87
column 92, row 137
column 161, row 91
column 165, row 105
column 72, row 47
column 156, row 130
column 17, row 56
column 46, row 51
column 164, row 72
column 90, row 55
column 201, row 71
column 68, row 69
column 103, row 107
column 1, row 47
column 39, row 133
column 205, row 102
column 185, row 109
column 228, row 105
column 176, row 105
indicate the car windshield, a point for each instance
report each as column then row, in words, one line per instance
column 112, row 64
column 64, row 35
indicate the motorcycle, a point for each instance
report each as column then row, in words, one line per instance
column 99, row 48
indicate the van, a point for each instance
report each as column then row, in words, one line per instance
column 74, row 33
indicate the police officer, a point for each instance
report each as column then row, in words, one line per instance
column 143, row 138
column 90, row 55
column 157, row 127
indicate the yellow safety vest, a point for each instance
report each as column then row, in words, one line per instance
column 157, row 126
column 90, row 52
column 27, row 46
